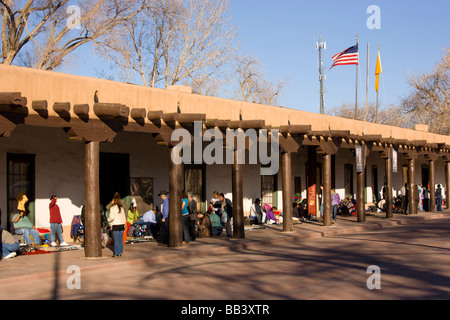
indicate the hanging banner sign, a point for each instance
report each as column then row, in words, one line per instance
column 359, row 159
column 312, row 200
column 394, row 161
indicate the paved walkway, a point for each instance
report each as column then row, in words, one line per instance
column 24, row 268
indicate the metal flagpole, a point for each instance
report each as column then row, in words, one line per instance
column 367, row 86
column 376, row 112
column 356, row 99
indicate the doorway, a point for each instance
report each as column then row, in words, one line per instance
column 114, row 177
column 425, row 175
column 194, row 181
column 348, row 180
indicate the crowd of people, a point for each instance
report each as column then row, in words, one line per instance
column 216, row 221
column 264, row 214
column 126, row 222
column 422, row 196
column 22, row 225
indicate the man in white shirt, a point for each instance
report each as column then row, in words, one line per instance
column 149, row 219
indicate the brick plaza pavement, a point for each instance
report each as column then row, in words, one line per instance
column 24, row 268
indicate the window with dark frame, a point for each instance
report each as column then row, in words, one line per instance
column 20, row 177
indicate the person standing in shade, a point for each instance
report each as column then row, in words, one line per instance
column 193, row 215
column 185, row 217
column 117, row 221
column 335, row 200
column 9, row 245
column 56, row 223
column 439, row 198
column 227, row 208
column 165, row 217
column 426, row 198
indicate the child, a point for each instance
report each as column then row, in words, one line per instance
column 55, row 223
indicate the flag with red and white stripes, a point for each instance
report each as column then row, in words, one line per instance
column 347, row 57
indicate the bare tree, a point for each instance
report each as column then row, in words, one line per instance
column 391, row 115
column 428, row 103
column 45, row 32
column 174, row 42
column 251, row 83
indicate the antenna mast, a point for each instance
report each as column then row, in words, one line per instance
column 321, row 46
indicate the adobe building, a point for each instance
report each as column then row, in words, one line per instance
column 83, row 139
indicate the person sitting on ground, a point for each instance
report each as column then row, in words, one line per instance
column 271, row 216
column 350, row 206
column 23, row 225
column 216, row 224
column 304, row 210
column 296, row 212
column 148, row 219
column 256, row 212
column 204, row 230
column 9, row 245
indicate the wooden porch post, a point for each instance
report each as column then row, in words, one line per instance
column 326, row 195
column 447, row 183
column 388, row 173
column 175, row 206
column 432, row 207
column 92, row 242
column 360, row 189
column 238, row 198
column 286, row 168
column 412, row 184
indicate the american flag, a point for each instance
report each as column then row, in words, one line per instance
column 346, row 57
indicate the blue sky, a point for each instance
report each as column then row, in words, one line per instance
column 281, row 34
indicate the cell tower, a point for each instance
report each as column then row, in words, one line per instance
column 321, row 46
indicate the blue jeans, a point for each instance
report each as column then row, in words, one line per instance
column 8, row 248
column 118, row 242
column 27, row 232
column 216, row 231
column 55, row 228
column 439, row 203
column 335, row 211
column 186, row 233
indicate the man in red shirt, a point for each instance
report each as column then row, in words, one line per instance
column 55, row 223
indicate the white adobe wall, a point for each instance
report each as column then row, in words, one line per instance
column 60, row 167
column 59, row 170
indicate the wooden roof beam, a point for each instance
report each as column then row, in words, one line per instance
column 13, row 99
